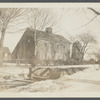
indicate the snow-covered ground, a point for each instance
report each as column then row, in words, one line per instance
column 85, row 83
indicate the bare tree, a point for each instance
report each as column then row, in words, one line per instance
column 86, row 39
column 39, row 19
column 8, row 15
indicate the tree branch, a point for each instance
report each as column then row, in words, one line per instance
column 89, row 21
column 96, row 12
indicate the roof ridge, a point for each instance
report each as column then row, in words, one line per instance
column 50, row 37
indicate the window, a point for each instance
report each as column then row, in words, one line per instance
column 29, row 41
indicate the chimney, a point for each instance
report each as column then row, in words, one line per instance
column 49, row 30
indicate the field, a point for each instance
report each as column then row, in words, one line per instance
column 13, row 80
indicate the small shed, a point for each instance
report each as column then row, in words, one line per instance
column 6, row 53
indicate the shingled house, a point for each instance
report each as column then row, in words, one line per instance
column 50, row 48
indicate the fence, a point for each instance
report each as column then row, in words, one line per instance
column 16, row 62
column 25, row 62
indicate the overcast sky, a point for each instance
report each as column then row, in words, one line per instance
column 71, row 21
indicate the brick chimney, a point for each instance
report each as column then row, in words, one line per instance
column 49, row 30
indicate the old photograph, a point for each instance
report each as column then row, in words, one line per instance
column 49, row 50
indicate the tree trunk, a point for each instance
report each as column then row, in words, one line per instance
column 32, row 58
column 1, row 46
column 81, row 60
column 1, row 60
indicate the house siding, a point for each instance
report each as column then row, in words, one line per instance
column 46, row 50
column 25, row 47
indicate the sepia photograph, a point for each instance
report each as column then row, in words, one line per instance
column 49, row 49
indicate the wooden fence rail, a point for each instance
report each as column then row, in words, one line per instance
column 16, row 62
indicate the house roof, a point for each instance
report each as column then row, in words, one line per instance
column 6, row 50
column 51, row 37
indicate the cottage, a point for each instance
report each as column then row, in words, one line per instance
column 50, row 48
